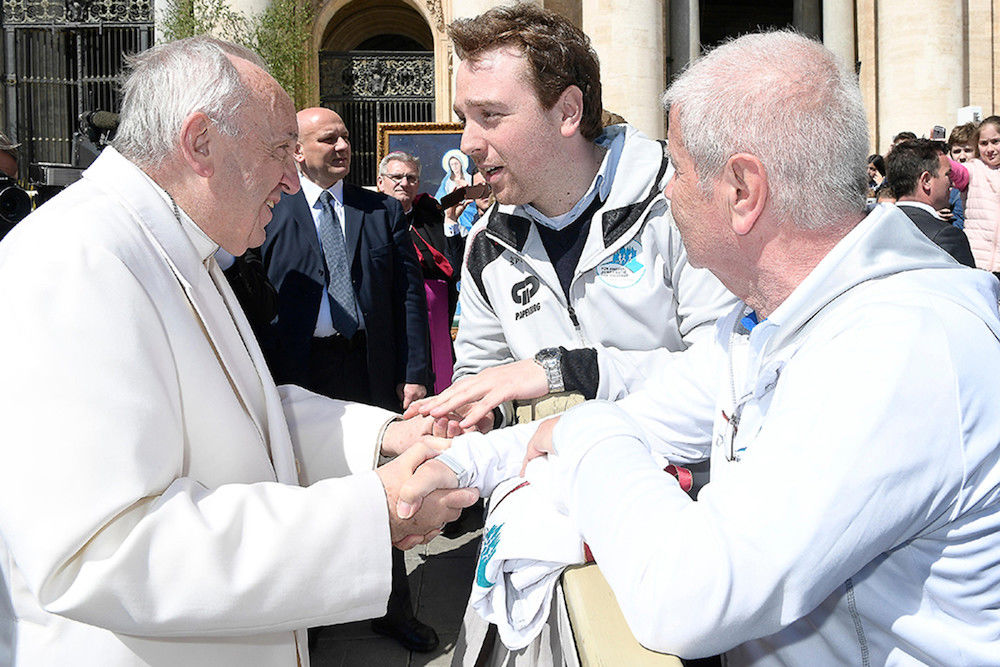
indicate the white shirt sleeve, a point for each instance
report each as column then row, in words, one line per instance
column 844, row 468
column 482, row 461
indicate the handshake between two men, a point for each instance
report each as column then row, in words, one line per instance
column 424, row 494
column 422, row 490
column 411, row 444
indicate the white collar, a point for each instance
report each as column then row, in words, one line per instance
column 601, row 185
column 923, row 206
column 203, row 244
column 311, row 191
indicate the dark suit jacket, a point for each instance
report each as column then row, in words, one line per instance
column 386, row 279
column 253, row 290
column 950, row 238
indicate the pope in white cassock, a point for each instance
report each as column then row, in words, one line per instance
column 161, row 501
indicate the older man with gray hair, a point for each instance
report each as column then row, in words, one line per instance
column 438, row 240
column 846, row 403
column 162, row 502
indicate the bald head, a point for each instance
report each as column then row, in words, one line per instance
column 324, row 149
column 317, row 115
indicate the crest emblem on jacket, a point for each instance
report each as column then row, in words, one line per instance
column 623, row 269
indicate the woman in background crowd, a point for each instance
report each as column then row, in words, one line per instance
column 982, row 198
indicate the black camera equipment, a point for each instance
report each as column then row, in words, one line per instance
column 15, row 204
column 95, row 131
column 97, row 128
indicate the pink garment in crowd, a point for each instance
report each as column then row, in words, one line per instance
column 440, row 333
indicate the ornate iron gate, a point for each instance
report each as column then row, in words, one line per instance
column 371, row 87
column 62, row 59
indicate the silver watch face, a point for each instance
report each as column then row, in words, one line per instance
column 550, row 359
column 548, row 354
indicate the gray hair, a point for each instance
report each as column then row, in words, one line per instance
column 787, row 100
column 398, row 156
column 168, row 83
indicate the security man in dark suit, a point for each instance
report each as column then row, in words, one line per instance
column 919, row 177
column 352, row 315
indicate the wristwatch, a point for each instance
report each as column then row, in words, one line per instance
column 550, row 359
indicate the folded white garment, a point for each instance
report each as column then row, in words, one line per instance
column 527, row 543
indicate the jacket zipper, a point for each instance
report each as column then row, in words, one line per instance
column 576, row 324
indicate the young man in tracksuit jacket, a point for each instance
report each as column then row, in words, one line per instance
column 576, row 279
column 577, row 275
column 631, row 296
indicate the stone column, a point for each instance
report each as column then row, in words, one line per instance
column 920, row 66
column 249, row 7
column 838, row 29
column 979, row 41
column 685, row 35
column 994, row 107
column 629, row 37
column 867, row 55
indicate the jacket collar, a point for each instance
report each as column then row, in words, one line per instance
column 311, row 191
column 883, row 244
column 625, row 200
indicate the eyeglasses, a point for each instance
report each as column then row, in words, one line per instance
column 398, row 178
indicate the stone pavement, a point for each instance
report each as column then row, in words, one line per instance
column 440, row 581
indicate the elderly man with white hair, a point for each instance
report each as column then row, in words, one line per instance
column 162, row 502
column 847, row 403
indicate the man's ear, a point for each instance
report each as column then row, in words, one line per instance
column 924, row 182
column 297, row 153
column 746, row 191
column 570, row 107
column 196, row 139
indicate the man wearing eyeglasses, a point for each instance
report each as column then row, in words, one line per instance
column 352, row 316
column 436, row 235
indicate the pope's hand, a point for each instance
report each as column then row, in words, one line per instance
column 438, row 506
column 475, row 397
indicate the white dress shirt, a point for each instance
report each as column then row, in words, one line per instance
column 921, row 205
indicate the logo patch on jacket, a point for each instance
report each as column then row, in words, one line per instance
column 624, row 268
column 490, row 542
column 523, row 291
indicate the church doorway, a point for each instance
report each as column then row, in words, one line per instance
column 376, row 66
column 722, row 19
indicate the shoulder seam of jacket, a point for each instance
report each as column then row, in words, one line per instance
column 482, row 252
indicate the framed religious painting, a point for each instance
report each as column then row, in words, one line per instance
column 443, row 167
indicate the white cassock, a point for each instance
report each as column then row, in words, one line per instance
column 152, row 509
